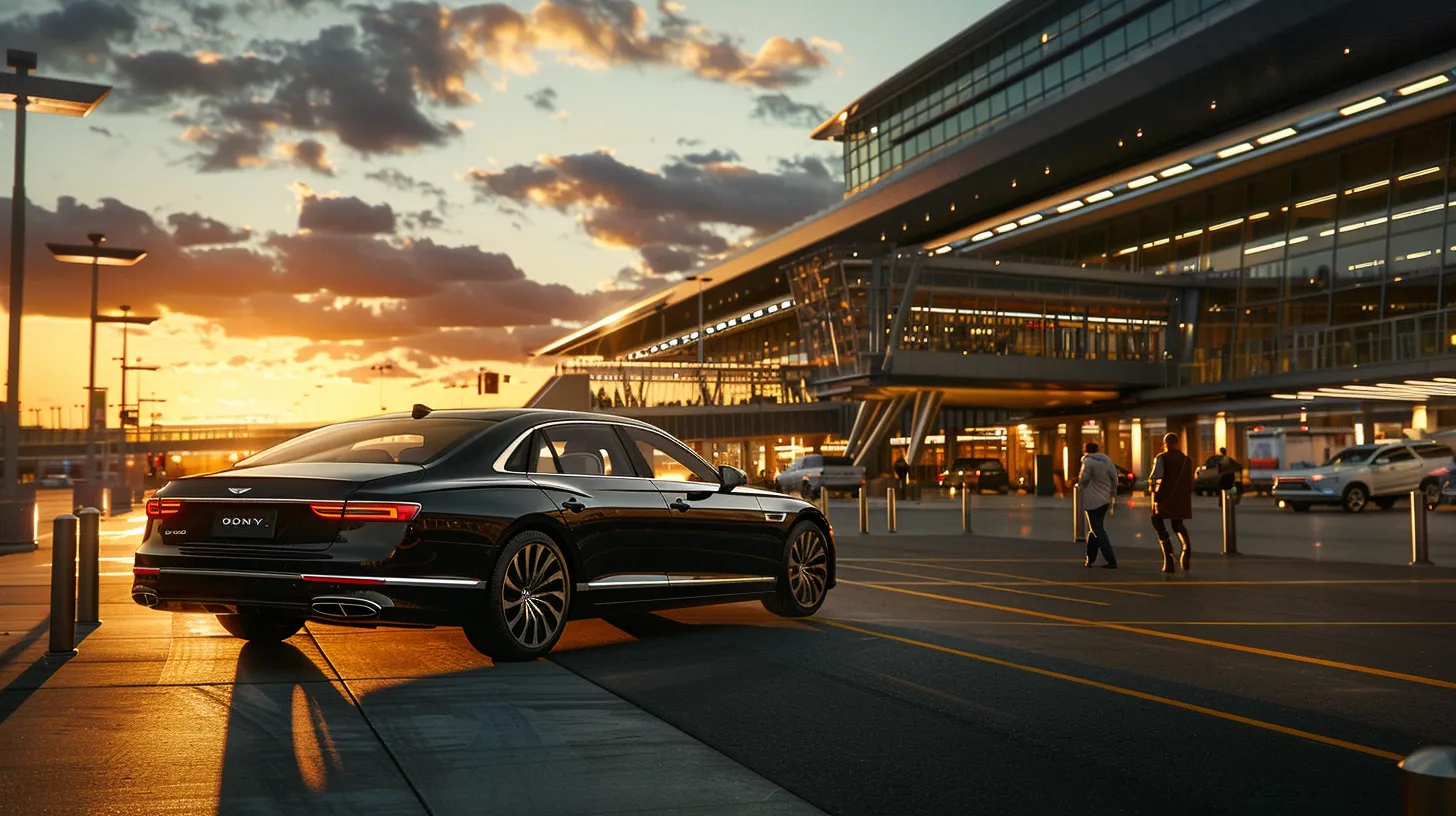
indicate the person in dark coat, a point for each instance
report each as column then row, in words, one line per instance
column 1171, row 484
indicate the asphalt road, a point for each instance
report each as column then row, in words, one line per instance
column 946, row 674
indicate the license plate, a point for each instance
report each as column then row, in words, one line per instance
column 245, row 524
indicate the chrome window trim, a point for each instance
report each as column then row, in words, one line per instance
column 499, row 465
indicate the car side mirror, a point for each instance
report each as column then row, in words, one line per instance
column 731, row 477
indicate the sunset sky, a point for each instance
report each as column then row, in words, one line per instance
column 325, row 186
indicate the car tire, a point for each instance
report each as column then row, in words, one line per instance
column 527, row 602
column 803, row 579
column 262, row 625
column 1299, row 507
column 1355, row 499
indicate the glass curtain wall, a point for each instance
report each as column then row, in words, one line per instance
column 1342, row 260
column 1019, row 69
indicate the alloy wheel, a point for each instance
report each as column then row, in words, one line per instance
column 1355, row 500
column 533, row 595
column 808, row 568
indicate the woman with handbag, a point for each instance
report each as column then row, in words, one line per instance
column 1172, row 488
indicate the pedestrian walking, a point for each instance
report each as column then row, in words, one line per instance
column 1098, row 485
column 1228, row 471
column 1171, row 484
column 902, row 476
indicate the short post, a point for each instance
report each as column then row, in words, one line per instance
column 890, row 509
column 1420, row 551
column 1230, row 523
column 1079, row 533
column 864, row 509
column 824, row 503
column 63, row 586
column 88, row 578
column 1428, row 782
column 965, row 511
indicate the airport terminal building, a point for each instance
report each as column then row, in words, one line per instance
column 1084, row 219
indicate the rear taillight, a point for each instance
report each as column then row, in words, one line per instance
column 146, row 570
column 162, row 508
column 365, row 511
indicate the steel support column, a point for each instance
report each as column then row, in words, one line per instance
column 902, row 314
column 882, row 426
column 926, row 409
column 864, row 419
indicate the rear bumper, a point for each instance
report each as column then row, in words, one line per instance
column 324, row 597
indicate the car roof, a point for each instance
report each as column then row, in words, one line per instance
column 504, row 414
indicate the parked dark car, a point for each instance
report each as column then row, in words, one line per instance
column 507, row 523
column 977, row 474
column 1208, row 478
column 1126, row 480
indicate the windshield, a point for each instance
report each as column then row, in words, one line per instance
column 376, row 441
column 1357, row 455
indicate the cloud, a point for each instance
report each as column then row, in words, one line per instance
column 310, row 154
column 343, row 215
column 78, row 37
column 398, row 180
column 543, row 100
column 379, row 81
column 449, row 302
column 675, row 217
column 191, row 229
column 779, row 109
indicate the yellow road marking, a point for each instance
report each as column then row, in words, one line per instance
column 970, row 560
column 1141, row 695
column 1033, row 581
column 950, row 582
column 1197, row 582
column 1218, row 644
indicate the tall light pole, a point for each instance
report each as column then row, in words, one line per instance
column 127, row 320
column 25, row 93
column 380, row 369
column 97, row 256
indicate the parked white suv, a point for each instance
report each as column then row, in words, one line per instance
column 814, row 472
column 1356, row 476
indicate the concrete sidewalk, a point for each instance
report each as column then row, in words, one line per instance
column 1323, row 534
column 164, row 714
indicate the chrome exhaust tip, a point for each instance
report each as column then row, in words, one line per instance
column 345, row 608
column 145, row 597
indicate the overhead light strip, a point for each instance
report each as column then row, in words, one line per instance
column 1306, row 127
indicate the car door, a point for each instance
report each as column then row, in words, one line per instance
column 612, row 513
column 1404, row 471
column 715, row 536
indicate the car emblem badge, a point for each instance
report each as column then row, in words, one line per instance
column 238, row 491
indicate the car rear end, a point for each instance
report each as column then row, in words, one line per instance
column 337, row 541
column 840, row 473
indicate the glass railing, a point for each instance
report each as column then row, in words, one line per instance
column 682, row 384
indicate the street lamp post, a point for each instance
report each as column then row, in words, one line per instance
column 380, row 369
column 25, row 93
column 127, row 320
column 462, row 387
column 97, row 256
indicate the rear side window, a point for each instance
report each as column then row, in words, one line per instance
column 375, row 441
column 813, row 461
column 1398, row 455
column 1435, row 452
column 585, row 450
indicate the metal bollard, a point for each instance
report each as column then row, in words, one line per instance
column 63, row 586
column 890, row 509
column 1230, row 523
column 824, row 504
column 1079, row 532
column 864, row 509
column 1420, row 551
column 88, row 567
column 1428, row 782
column 965, row 511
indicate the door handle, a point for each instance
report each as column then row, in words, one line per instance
column 573, row 505
column 680, row 506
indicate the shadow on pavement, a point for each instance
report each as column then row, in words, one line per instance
column 17, row 691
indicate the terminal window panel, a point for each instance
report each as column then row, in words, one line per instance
column 1021, row 68
column 1354, row 251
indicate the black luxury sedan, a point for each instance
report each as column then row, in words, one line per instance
column 506, row 523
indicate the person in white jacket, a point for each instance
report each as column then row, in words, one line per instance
column 1097, row 485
